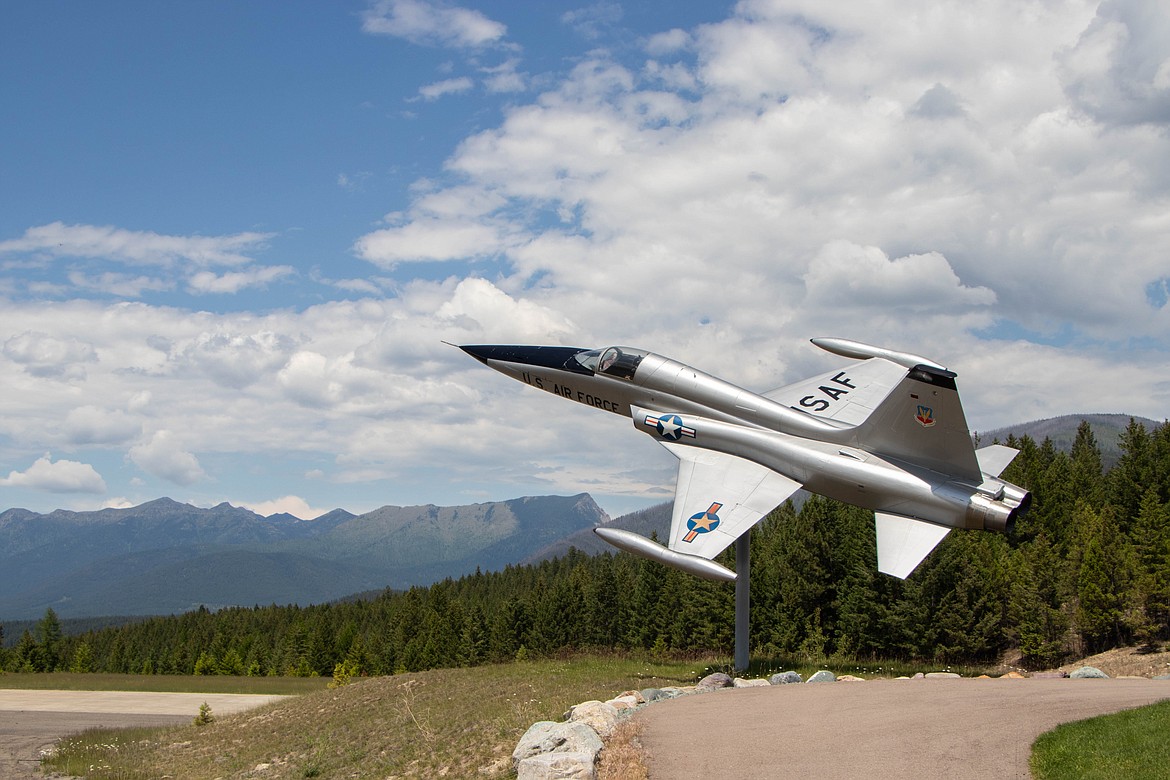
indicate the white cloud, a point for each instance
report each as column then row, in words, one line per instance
column 44, row 355
column 446, row 87
column 61, row 476
column 163, row 456
column 432, row 23
column 234, row 281
column 293, row 505
column 431, row 240
column 135, row 247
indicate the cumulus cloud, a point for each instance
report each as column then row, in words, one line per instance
column 61, row 476
column 1119, row 69
column 845, row 275
column 45, row 355
column 293, row 505
column 434, row 24
column 163, row 456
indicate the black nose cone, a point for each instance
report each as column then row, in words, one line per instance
column 548, row 357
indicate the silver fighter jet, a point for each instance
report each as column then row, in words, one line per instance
column 886, row 434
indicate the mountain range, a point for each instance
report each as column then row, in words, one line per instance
column 166, row 557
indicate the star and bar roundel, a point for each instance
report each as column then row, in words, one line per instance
column 669, row 426
column 703, row 522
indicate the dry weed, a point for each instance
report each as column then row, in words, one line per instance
column 623, row 757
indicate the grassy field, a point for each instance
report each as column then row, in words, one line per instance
column 1130, row 745
column 66, row 681
column 443, row 723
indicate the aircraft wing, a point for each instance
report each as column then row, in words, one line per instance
column 718, row 497
column 848, row 395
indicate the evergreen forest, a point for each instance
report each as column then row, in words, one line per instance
column 1085, row 570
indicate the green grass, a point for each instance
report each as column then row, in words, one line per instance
column 67, row 681
column 1129, row 745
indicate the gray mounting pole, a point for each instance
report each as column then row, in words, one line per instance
column 743, row 586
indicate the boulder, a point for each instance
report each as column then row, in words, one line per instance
column 655, row 694
column 622, row 703
column 918, row 676
column 850, row 678
column 942, row 676
column 1013, row 676
column 1089, row 673
column 713, row 682
column 597, row 715
column 548, row 737
column 823, row 675
column 673, row 691
column 1162, row 677
column 637, row 696
column 785, row 678
column 739, row 682
column 557, row 766
column 1049, row 675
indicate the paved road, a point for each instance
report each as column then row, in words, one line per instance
column 880, row 729
column 32, row 721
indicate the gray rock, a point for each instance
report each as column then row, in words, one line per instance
column 942, row 676
column 1162, row 677
column 1049, row 675
column 918, row 676
column 548, row 737
column 823, row 675
column 1089, row 673
column 597, row 715
column 673, row 692
column 557, row 766
column 785, row 678
column 713, row 682
column 654, row 694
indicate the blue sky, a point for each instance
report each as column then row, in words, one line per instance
column 234, row 235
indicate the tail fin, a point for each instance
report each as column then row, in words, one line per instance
column 921, row 421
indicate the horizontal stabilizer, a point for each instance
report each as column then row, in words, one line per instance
column 994, row 458
column 902, row 542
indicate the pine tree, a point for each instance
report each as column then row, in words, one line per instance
column 1104, row 578
column 49, row 640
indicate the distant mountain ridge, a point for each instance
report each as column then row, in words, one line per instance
column 164, row 556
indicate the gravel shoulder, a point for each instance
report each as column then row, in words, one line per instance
column 973, row 729
column 32, row 721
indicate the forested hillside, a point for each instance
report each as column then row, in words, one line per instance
column 1087, row 569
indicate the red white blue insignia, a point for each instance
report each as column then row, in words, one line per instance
column 669, row 426
column 703, row 522
column 925, row 416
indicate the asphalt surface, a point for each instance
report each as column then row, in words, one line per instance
column 33, row 721
column 879, row 729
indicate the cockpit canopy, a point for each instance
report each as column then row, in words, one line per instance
column 620, row 362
